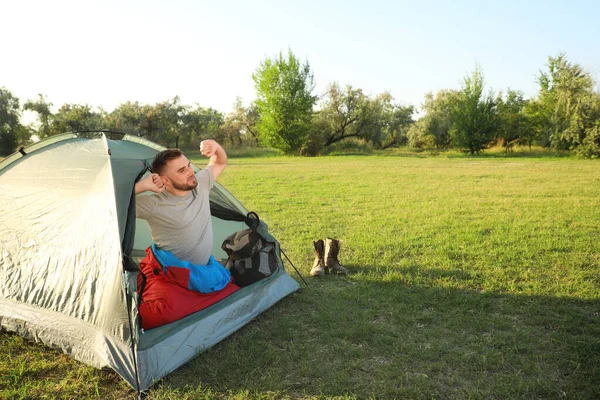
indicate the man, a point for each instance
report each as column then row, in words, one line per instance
column 178, row 212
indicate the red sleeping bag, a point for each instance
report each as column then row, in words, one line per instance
column 164, row 301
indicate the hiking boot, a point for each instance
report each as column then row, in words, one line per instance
column 318, row 268
column 332, row 249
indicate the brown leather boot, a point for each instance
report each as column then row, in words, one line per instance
column 332, row 249
column 318, row 268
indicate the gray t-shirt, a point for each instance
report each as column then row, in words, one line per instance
column 181, row 224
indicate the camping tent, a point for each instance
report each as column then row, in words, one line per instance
column 70, row 247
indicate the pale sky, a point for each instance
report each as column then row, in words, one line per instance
column 103, row 53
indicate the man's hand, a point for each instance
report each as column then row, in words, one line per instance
column 152, row 182
column 208, row 147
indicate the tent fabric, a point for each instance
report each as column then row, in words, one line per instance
column 51, row 225
column 82, row 341
column 68, row 258
column 47, row 143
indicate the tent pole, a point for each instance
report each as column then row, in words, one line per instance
column 298, row 272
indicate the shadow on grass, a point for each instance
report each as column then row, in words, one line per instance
column 365, row 335
column 362, row 336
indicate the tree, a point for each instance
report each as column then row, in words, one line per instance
column 169, row 123
column 239, row 126
column 214, row 120
column 474, row 119
column 68, row 118
column 193, row 125
column 349, row 113
column 512, row 124
column 590, row 121
column 128, row 117
column 568, row 106
column 200, row 123
column 154, row 122
column 76, row 117
column 42, row 107
column 151, row 123
column 418, row 135
column 433, row 129
column 10, row 125
column 285, row 102
column 535, row 117
column 25, row 135
column 169, row 120
column 390, row 122
column 397, row 121
column 437, row 121
column 250, row 124
column 344, row 113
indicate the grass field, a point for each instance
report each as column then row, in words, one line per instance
column 469, row 278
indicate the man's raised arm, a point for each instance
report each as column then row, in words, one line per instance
column 218, row 157
column 152, row 182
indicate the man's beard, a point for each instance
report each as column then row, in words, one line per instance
column 185, row 186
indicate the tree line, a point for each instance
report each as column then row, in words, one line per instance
column 287, row 115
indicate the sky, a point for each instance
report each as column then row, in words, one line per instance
column 103, row 53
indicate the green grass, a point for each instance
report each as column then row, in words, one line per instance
column 469, row 278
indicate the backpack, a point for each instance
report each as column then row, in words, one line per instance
column 250, row 257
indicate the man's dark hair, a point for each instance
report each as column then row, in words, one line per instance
column 161, row 159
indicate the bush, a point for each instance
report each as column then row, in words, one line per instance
column 418, row 137
column 315, row 142
column 350, row 146
column 590, row 146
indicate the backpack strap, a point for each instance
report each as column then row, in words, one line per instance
column 252, row 221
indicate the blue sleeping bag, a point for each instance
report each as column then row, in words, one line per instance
column 201, row 278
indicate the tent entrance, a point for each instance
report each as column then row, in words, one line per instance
column 221, row 229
